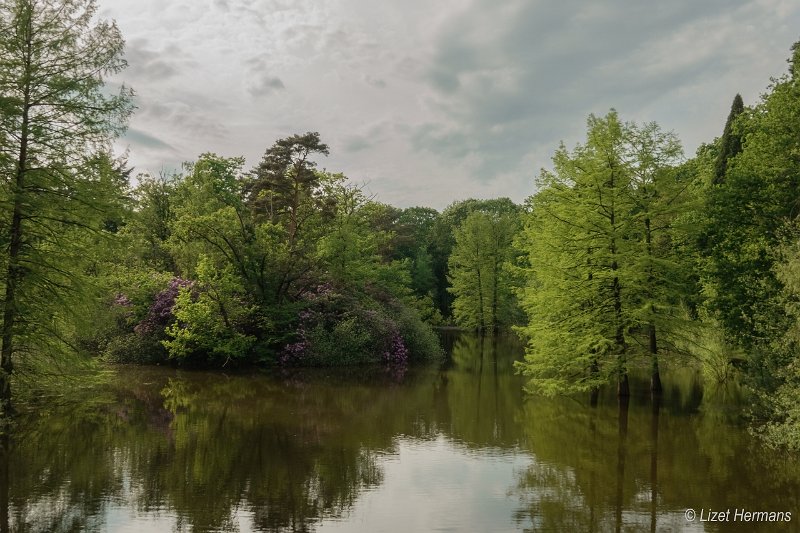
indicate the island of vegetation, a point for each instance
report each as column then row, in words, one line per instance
column 627, row 254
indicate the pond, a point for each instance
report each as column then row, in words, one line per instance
column 454, row 446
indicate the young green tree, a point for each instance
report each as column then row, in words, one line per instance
column 211, row 220
column 578, row 245
column 55, row 116
column 604, row 279
column 658, row 278
column 442, row 240
column 149, row 224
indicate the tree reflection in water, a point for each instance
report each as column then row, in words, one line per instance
column 194, row 451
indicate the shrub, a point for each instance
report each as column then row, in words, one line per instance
column 337, row 329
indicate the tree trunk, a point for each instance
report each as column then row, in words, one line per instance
column 623, row 389
column 654, row 464
column 14, row 272
column 655, row 377
column 622, row 438
column 594, row 396
column 481, row 319
column 5, row 482
column 595, row 393
column 494, row 296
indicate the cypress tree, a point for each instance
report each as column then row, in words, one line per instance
column 731, row 142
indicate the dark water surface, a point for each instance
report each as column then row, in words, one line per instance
column 454, row 446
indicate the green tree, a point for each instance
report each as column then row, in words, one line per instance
column 414, row 232
column 731, row 141
column 214, row 240
column 605, row 282
column 150, row 224
column 211, row 317
column 285, row 179
column 442, row 240
column 55, row 116
column 478, row 279
column 577, row 243
column 747, row 213
column 658, row 275
column 287, row 191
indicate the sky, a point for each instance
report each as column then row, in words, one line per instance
column 424, row 103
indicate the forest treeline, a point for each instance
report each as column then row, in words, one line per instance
column 627, row 254
column 631, row 254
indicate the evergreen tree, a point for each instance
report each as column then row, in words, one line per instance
column 285, row 179
column 731, row 141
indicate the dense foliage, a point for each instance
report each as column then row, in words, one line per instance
column 260, row 268
column 601, row 269
column 627, row 253
column 630, row 252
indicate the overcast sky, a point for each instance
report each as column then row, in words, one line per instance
column 429, row 102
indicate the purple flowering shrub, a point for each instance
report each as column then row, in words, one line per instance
column 140, row 327
column 159, row 316
column 335, row 329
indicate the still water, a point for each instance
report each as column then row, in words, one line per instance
column 454, row 446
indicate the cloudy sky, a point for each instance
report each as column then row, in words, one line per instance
column 429, row 102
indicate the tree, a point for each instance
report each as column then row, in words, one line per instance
column 731, row 141
column 413, row 241
column 150, row 223
column 748, row 212
column 659, row 198
column 55, row 117
column 285, row 178
column 211, row 220
column 287, row 191
column 442, row 240
column 477, row 276
column 601, row 269
column 577, row 245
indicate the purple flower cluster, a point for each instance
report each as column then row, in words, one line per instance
column 122, row 300
column 295, row 351
column 160, row 313
column 396, row 358
column 320, row 291
column 397, row 353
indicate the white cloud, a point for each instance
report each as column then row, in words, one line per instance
column 435, row 102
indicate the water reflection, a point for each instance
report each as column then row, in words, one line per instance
column 640, row 466
column 452, row 446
